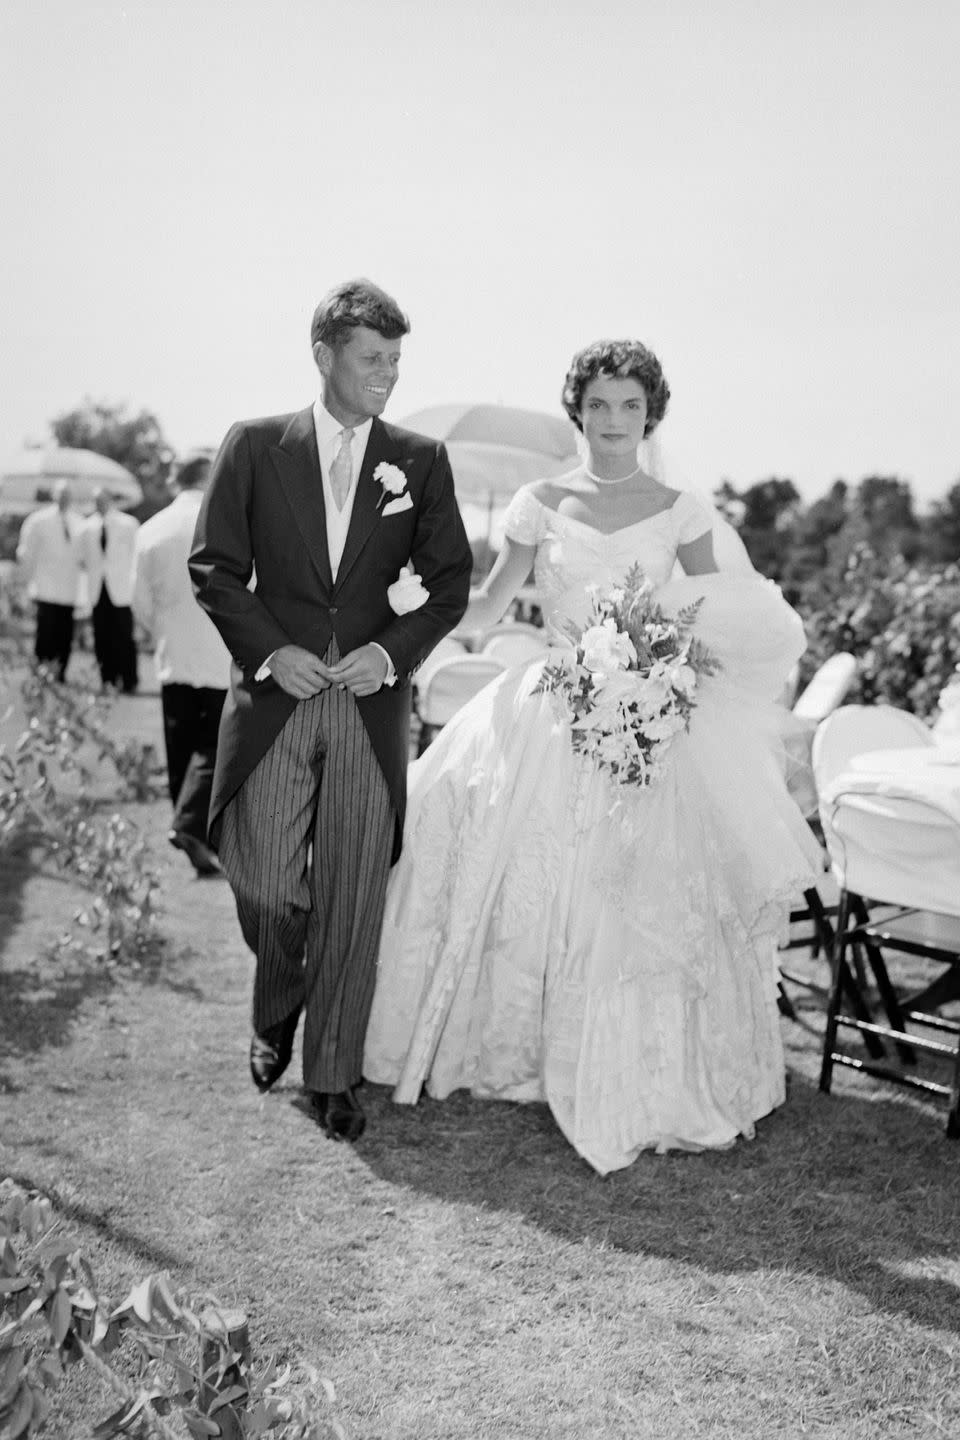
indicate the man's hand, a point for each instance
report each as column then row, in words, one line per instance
column 363, row 671
column 299, row 671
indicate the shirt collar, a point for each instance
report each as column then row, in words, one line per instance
column 328, row 427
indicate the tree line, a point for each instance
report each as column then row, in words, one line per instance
column 801, row 545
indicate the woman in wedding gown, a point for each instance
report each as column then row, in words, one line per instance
column 552, row 936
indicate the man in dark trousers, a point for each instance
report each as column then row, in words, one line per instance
column 49, row 553
column 108, row 540
column 192, row 662
column 326, row 508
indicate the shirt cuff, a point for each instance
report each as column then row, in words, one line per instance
column 391, row 676
column 264, row 670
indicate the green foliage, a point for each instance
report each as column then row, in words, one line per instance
column 46, row 780
column 945, row 526
column 767, row 513
column 9, row 535
column 189, row 1379
column 805, row 547
column 902, row 623
column 134, row 441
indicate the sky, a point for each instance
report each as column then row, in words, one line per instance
column 765, row 192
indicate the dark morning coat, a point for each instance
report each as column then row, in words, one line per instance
column 263, row 514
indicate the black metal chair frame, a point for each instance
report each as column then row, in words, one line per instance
column 822, row 918
column 865, row 939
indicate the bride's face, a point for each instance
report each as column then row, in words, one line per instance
column 613, row 415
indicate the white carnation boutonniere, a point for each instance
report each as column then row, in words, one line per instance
column 391, row 478
column 407, row 592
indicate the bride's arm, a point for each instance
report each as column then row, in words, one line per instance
column 697, row 557
column 488, row 603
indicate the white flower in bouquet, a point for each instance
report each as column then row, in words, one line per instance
column 606, row 648
column 628, row 683
column 683, row 677
column 664, row 727
column 614, row 686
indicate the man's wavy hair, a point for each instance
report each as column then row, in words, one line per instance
column 354, row 303
column 625, row 360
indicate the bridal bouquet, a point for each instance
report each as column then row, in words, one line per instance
column 629, row 682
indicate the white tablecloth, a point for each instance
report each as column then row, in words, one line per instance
column 911, row 856
column 920, row 772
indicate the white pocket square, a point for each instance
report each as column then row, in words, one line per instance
column 393, row 507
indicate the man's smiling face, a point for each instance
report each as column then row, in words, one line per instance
column 359, row 374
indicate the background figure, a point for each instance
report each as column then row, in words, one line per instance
column 49, row 555
column 193, row 664
column 108, row 540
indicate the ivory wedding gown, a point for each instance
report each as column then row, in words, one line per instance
column 611, row 950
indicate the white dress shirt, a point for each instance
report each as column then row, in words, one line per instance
column 112, row 567
column 189, row 649
column 49, row 553
column 328, row 431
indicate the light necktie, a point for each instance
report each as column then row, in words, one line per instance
column 341, row 471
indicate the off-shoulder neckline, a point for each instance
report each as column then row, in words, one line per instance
column 608, row 534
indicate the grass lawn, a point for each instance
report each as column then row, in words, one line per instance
column 461, row 1272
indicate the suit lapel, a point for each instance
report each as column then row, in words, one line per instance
column 298, row 468
column 365, row 515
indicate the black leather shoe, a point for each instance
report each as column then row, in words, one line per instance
column 340, row 1115
column 201, row 857
column 270, row 1051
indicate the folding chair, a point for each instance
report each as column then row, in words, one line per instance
column 514, row 644
column 853, row 729
column 448, row 687
column 513, row 627
column 446, row 649
column 818, row 912
column 847, row 731
column 827, row 688
column 897, row 861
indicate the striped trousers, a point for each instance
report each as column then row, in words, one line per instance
column 306, row 844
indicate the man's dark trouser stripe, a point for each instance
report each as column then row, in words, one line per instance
column 319, row 786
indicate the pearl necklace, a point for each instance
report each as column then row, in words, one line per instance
column 617, row 480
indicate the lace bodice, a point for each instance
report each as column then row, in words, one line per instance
column 572, row 555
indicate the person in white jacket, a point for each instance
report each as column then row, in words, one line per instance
column 49, row 555
column 192, row 662
column 108, row 541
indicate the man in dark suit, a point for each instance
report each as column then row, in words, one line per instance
column 325, row 508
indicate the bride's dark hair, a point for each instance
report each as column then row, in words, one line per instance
column 625, row 360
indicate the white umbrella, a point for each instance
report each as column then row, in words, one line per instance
column 27, row 478
column 494, row 449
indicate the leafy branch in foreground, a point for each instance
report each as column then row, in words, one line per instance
column 190, row 1376
column 45, row 802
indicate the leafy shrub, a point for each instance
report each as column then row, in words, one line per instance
column 188, row 1377
column 901, row 622
column 46, row 804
